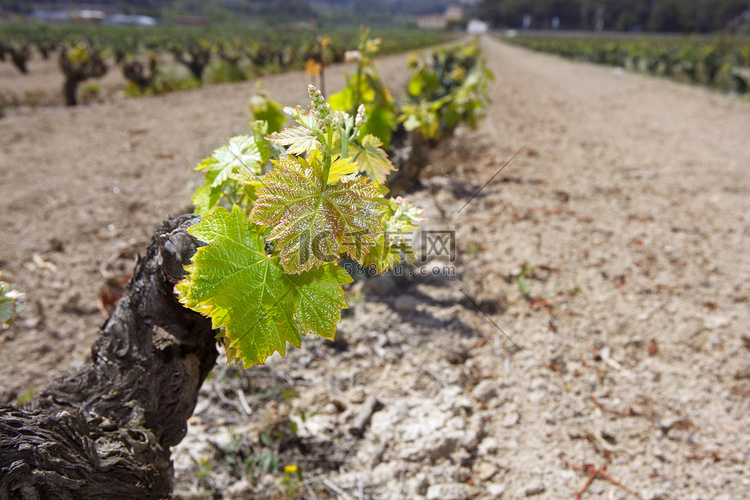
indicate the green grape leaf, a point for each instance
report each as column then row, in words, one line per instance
column 373, row 160
column 421, row 117
column 357, row 91
column 240, row 154
column 299, row 139
column 341, row 167
column 265, row 148
column 343, row 100
column 249, row 185
column 394, row 245
column 381, row 121
column 415, row 86
column 266, row 109
column 423, row 82
column 304, row 116
column 206, row 198
column 312, row 224
column 247, row 292
column 382, row 255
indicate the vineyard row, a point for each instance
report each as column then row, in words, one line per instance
column 721, row 63
column 145, row 55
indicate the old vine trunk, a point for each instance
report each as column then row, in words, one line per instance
column 105, row 430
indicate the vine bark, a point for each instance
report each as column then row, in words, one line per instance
column 105, row 430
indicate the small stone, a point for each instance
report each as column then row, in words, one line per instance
column 511, row 419
column 188, row 494
column 442, row 447
column 405, row 303
column 485, row 390
column 538, row 384
column 535, row 488
column 496, row 490
column 456, row 423
column 714, row 322
column 331, row 409
column 357, row 395
column 202, row 406
column 412, row 454
column 537, row 397
column 447, row 491
column 486, row 470
column 382, row 285
column 461, row 404
column 241, row 489
column 488, row 446
column 567, row 474
column 657, row 495
column 223, row 438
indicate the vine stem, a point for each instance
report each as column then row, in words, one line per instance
column 105, row 430
column 327, row 155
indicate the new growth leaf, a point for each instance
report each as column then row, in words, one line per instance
column 312, row 223
column 247, row 293
column 272, row 276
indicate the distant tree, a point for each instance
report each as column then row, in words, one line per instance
column 18, row 6
column 728, row 10
column 666, row 15
column 653, row 15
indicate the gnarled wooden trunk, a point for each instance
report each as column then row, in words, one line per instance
column 105, row 430
column 409, row 154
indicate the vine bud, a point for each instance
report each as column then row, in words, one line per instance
column 361, row 117
column 335, row 120
column 320, row 106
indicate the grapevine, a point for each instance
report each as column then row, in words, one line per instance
column 12, row 303
column 210, row 55
column 268, row 273
column 722, row 63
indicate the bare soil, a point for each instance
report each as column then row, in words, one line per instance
column 612, row 250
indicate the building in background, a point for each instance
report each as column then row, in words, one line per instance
column 476, row 27
column 452, row 16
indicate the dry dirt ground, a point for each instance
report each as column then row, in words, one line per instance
column 612, row 250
